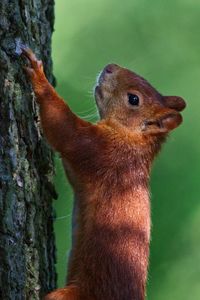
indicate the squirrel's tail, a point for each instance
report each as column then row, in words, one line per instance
column 68, row 293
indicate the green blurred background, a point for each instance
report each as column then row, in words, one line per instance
column 161, row 41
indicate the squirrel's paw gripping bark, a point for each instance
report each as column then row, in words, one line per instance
column 35, row 70
column 36, row 66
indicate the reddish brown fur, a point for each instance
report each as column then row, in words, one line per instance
column 108, row 165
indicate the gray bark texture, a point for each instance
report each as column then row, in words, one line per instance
column 27, row 250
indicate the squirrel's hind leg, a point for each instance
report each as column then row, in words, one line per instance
column 67, row 293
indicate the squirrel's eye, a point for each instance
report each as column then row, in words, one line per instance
column 133, row 99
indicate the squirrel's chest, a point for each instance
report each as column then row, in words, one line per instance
column 110, row 164
column 115, row 166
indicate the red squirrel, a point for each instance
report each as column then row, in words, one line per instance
column 108, row 165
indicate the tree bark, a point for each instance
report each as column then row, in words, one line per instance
column 27, row 251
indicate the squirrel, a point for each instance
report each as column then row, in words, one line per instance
column 108, row 165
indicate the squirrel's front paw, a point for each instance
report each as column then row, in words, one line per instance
column 36, row 65
column 34, row 70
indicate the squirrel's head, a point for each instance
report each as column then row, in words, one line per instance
column 128, row 98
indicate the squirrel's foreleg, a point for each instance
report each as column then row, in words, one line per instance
column 59, row 123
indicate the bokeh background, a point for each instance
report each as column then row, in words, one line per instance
column 161, row 41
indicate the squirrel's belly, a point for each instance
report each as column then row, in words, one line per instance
column 120, row 257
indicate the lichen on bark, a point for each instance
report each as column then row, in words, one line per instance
column 27, row 251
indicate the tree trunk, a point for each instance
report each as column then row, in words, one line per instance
column 27, row 251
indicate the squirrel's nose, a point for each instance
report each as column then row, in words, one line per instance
column 111, row 68
column 107, row 71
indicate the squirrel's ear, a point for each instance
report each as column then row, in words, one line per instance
column 174, row 102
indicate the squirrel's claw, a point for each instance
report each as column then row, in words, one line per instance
column 29, row 54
